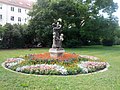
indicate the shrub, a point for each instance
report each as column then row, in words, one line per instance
column 107, row 42
column 73, row 43
column 117, row 41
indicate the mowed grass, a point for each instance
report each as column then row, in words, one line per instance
column 108, row 80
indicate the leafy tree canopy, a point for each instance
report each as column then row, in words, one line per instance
column 81, row 15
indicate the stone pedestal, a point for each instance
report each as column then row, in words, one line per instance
column 56, row 52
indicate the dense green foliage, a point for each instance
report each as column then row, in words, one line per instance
column 108, row 80
column 15, row 36
column 83, row 24
column 117, row 36
column 82, row 20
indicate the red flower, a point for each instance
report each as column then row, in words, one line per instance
column 65, row 56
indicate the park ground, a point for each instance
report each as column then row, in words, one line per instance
column 108, row 80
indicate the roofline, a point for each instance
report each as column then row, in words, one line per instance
column 29, row 7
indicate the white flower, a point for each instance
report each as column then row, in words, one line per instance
column 89, row 57
column 85, row 70
column 13, row 61
column 18, row 69
column 91, row 66
column 58, row 68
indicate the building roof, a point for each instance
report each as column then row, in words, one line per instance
column 19, row 3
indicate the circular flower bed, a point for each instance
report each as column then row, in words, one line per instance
column 43, row 64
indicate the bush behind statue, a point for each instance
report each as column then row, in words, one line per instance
column 108, row 42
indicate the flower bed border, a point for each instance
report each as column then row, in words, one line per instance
column 105, row 69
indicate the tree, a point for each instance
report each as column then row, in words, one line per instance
column 1, row 31
column 14, row 36
column 79, row 16
column 117, row 36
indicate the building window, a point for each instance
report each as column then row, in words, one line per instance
column 0, row 6
column 12, row 8
column 0, row 17
column 19, row 10
column 19, row 19
column 12, row 18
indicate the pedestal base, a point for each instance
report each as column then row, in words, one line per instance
column 56, row 52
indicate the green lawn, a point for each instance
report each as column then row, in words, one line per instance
column 108, row 80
